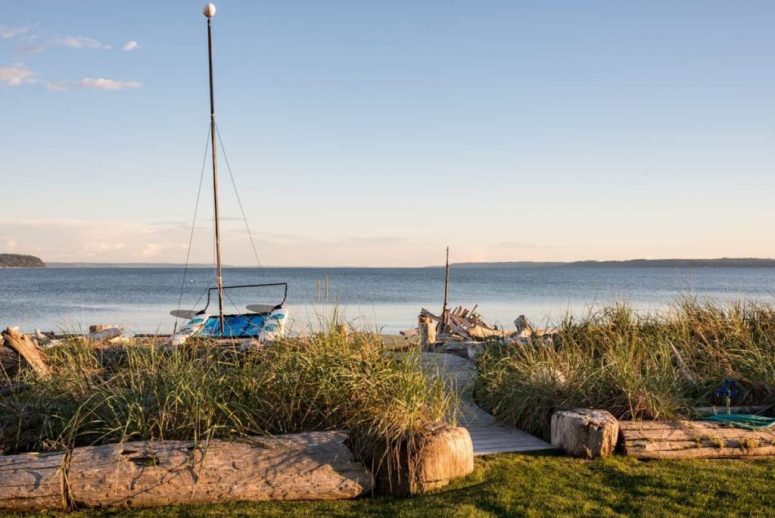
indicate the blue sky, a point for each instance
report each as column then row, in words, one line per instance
column 376, row 133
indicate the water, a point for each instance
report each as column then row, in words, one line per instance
column 378, row 298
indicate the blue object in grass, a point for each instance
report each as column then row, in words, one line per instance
column 728, row 389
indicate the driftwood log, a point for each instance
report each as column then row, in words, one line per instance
column 446, row 454
column 306, row 466
column 693, row 440
column 427, row 330
column 585, row 432
column 27, row 349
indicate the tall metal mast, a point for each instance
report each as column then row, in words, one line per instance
column 445, row 310
column 209, row 12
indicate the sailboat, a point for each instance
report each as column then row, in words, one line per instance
column 260, row 321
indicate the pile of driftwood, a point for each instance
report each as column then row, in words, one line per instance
column 463, row 330
column 458, row 324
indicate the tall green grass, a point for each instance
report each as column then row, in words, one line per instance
column 637, row 366
column 324, row 381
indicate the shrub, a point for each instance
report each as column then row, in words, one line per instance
column 201, row 390
column 637, row 366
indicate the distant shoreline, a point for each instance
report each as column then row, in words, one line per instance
column 20, row 261
column 724, row 262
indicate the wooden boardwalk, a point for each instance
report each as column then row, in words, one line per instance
column 487, row 434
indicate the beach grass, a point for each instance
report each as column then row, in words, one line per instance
column 635, row 365
column 328, row 380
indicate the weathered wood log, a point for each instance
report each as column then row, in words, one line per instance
column 306, row 466
column 585, row 432
column 693, row 440
column 32, row 482
column 96, row 328
column 27, row 349
column 445, row 455
column 102, row 332
column 427, row 328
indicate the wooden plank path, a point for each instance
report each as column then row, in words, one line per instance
column 488, row 435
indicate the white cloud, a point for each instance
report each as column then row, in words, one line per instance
column 108, row 84
column 34, row 40
column 57, row 86
column 7, row 32
column 16, row 75
column 131, row 45
column 80, row 42
column 37, row 43
column 33, row 48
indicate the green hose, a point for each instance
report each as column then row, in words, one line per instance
column 746, row 421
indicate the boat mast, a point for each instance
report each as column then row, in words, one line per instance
column 209, row 12
column 445, row 310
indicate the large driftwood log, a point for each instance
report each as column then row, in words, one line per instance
column 27, row 349
column 585, row 432
column 446, row 454
column 427, row 329
column 306, row 466
column 693, row 440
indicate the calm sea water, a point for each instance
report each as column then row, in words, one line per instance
column 379, row 298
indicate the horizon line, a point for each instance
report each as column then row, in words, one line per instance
column 440, row 265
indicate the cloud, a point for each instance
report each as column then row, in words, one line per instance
column 80, row 42
column 7, row 32
column 16, row 75
column 57, row 86
column 33, row 48
column 33, row 40
column 131, row 45
column 108, row 84
column 91, row 83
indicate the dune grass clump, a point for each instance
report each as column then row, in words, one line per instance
column 199, row 391
column 637, row 366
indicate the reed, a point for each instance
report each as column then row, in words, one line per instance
column 637, row 366
column 324, row 381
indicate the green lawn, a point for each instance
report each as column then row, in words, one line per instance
column 547, row 485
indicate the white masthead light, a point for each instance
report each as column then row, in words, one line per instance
column 209, row 10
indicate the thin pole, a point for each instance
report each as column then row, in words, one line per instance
column 446, row 291
column 219, row 272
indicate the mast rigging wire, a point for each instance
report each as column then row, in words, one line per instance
column 193, row 225
column 236, row 193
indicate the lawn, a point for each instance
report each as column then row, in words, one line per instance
column 548, row 485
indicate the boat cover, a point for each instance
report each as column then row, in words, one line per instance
column 249, row 325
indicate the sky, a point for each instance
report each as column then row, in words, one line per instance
column 375, row 133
